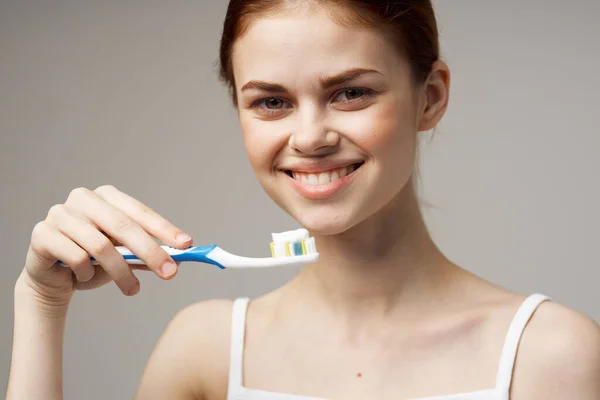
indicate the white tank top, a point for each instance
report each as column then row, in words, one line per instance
column 237, row 391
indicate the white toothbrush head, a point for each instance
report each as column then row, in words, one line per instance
column 292, row 244
column 291, row 248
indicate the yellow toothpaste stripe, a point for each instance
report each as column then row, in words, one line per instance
column 291, row 248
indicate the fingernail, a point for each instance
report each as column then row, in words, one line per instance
column 134, row 290
column 183, row 237
column 168, row 268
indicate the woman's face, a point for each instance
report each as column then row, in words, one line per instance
column 329, row 117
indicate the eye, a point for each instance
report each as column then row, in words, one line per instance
column 273, row 103
column 351, row 95
column 271, row 106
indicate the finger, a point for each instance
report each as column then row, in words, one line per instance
column 114, row 241
column 147, row 218
column 95, row 244
column 143, row 267
column 119, row 226
column 140, row 267
column 51, row 245
column 102, row 277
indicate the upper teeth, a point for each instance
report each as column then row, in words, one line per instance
column 323, row 178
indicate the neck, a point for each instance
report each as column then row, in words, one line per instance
column 379, row 266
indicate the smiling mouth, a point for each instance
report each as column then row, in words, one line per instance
column 324, row 177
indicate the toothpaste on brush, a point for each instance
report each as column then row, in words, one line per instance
column 292, row 243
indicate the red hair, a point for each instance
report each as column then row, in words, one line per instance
column 410, row 24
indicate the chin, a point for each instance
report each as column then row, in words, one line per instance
column 323, row 221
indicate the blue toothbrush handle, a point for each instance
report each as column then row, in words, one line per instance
column 194, row 254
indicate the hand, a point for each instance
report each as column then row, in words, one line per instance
column 92, row 223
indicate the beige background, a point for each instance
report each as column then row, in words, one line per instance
column 95, row 92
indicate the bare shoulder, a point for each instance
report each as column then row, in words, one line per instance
column 559, row 356
column 191, row 359
column 565, row 338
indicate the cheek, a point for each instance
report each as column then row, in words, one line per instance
column 385, row 130
column 262, row 141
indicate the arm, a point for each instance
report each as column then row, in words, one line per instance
column 36, row 364
column 191, row 360
column 90, row 223
column 559, row 357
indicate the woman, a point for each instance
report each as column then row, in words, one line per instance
column 331, row 98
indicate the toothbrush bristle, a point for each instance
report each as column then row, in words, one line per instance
column 292, row 243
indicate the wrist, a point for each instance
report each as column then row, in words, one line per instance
column 29, row 297
column 39, row 325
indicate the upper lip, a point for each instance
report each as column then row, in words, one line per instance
column 316, row 166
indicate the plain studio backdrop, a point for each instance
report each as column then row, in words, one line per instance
column 126, row 93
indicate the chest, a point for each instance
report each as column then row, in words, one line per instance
column 416, row 365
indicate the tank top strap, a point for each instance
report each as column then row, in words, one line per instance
column 513, row 338
column 236, row 356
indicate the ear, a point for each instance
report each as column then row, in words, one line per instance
column 436, row 92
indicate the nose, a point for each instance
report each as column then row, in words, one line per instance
column 312, row 136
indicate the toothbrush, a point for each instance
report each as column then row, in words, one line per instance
column 291, row 248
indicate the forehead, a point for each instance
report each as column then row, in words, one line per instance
column 307, row 45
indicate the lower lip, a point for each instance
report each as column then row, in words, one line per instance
column 319, row 192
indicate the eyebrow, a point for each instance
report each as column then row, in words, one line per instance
column 326, row 82
column 346, row 76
